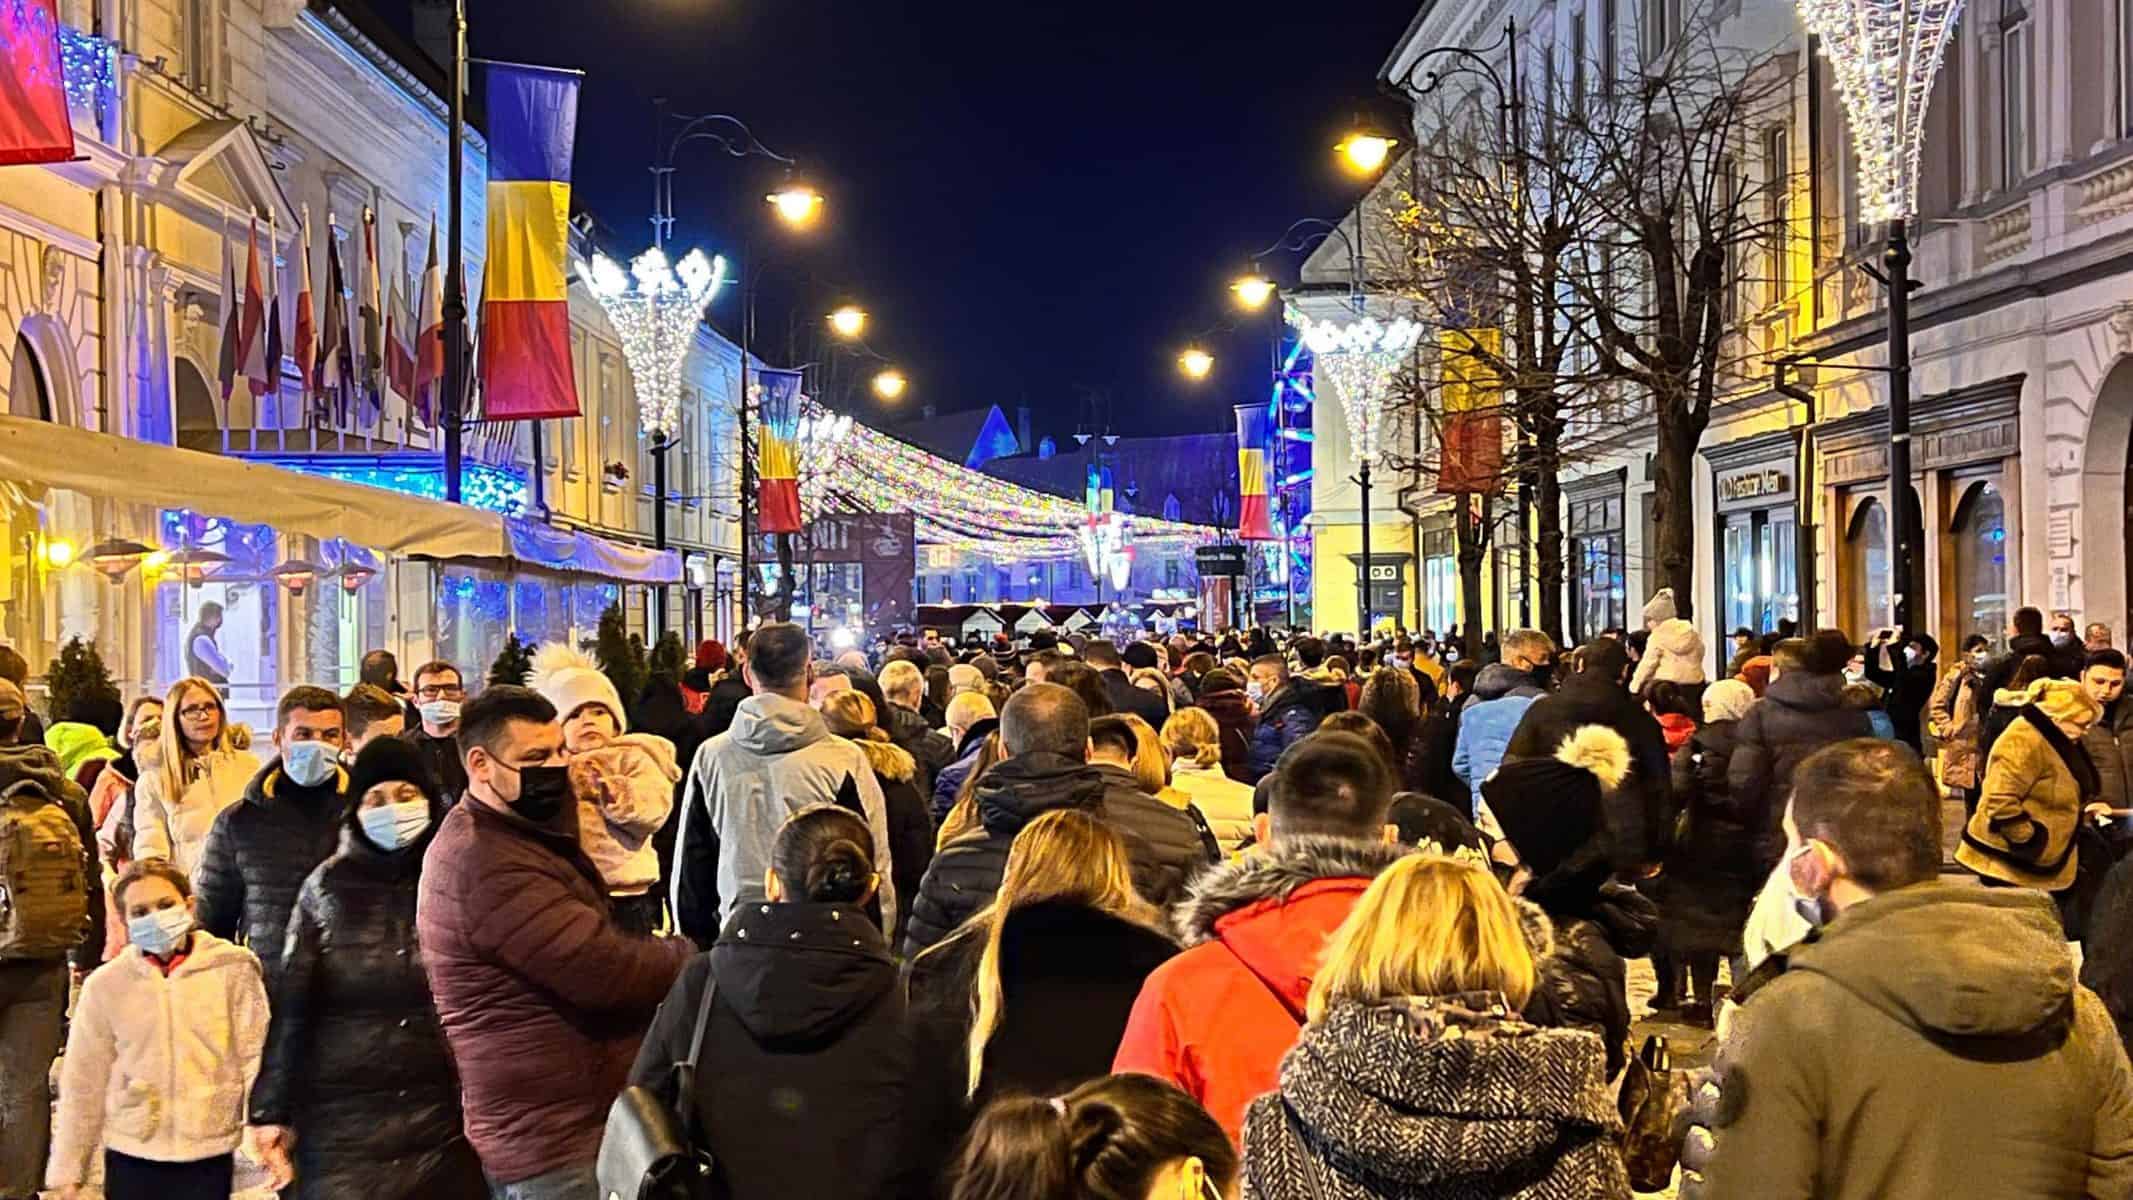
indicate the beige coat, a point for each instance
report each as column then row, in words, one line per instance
column 625, row 793
column 1225, row 803
column 1956, row 727
column 178, row 831
column 2023, row 830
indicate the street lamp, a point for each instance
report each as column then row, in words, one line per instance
column 1364, row 151
column 1885, row 54
column 890, row 384
column 797, row 204
column 1253, row 291
column 1196, row 363
column 848, row 322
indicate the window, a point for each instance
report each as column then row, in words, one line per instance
column 201, row 21
column 2124, row 67
column 1610, row 45
column 1865, row 582
column 1980, row 536
column 1598, row 557
column 2015, row 98
column 1170, row 572
column 1661, row 19
column 27, row 393
column 1728, row 211
column 1577, row 60
column 1440, row 581
column 1777, row 209
column 1761, row 570
column 1172, row 510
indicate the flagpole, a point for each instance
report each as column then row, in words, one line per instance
column 251, row 245
column 455, row 284
column 281, row 427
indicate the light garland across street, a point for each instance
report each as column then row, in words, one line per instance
column 1885, row 54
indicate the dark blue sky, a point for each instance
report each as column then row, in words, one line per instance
column 1032, row 198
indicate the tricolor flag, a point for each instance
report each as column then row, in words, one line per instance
column 371, row 312
column 525, row 307
column 252, row 323
column 400, row 347
column 306, row 348
column 272, row 337
column 777, row 506
column 232, row 302
column 34, row 126
column 336, row 370
column 429, row 340
column 1254, row 463
column 1470, row 444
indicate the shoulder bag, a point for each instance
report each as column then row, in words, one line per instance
column 652, row 1148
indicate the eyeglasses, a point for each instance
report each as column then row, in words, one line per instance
column 199, row 712
column 451, row 691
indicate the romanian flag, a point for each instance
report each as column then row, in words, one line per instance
column 1470, row 445
column 525, row 308
column 34, row 126
column 777, row 504
column 1254, row 464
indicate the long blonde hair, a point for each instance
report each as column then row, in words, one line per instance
column 1427, row 926
column 1063, row 856
column 1191, row 734
column 177, row 756
column 1151, row 767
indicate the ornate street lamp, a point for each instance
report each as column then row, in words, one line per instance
column 1885, row 54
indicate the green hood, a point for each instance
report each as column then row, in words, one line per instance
column 1951, row 959
column 76, row 743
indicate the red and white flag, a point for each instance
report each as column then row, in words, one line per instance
column 429, row 340
column 306, row 345
column 399, row 346
column 252, row 324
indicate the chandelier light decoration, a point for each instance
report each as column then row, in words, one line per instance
column 1885, row 54
column 655, row 306
column 1360, row 357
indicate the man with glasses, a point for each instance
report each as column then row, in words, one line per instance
column 439, row 691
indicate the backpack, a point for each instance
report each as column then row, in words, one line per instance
column 44, row 905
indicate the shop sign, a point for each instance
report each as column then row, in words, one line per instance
column 1223, row 559
column 1755, row 484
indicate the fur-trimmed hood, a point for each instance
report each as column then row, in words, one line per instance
column 889, row 760
column 1272, row 874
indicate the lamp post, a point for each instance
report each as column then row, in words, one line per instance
column 455, row 280
column 1884, row 54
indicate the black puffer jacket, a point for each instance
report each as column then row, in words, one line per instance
column 259, row 853
column 930, row 747
column 811, row 1081
column 1584, row 979
column 1798, row 715
column 910, row 825
column 1591, row 697
column 1710, row 881
column 355, row 1058
column 1165, row 842
column 965, row 874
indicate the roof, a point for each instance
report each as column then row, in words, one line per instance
column 971, row 437
column 1200, row 469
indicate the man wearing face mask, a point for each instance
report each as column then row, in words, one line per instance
column 1906, row 678
column 288, row 822
column 543, row 998
column 1928, row 1040
column 439, row 692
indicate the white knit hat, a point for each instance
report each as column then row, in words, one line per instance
column 566, row 678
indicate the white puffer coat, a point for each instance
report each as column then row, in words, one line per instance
column 1674, row 653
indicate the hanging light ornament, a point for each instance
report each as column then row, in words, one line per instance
column 115, row 558
column 655, row 306
column 1884, row 54
column 1360, row 358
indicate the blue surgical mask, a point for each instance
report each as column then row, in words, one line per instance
column 310, row 764
column 440, row 712
column 391, row 826
column 159, row 932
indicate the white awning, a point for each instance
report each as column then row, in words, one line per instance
column 40, row 454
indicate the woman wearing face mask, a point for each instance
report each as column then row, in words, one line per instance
column 207, row 763
column 809, row 1082
column 2038, row 779
column 356, row 1097
column 1952, row 715
column 1121, row 1137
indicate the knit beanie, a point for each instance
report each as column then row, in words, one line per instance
column 1660, row 608
column 1550, row 808
column 390, row 760
column 710, row 655
column 566, row 678
column 1756, row 674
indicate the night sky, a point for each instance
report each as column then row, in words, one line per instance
column 1037, row 201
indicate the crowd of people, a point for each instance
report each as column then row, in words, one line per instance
column 1121, row 918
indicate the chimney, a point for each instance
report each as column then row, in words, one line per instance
column 433, row 31
column 1022, row 427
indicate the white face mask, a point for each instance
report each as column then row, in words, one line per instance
column 159, row 932
column 391, row 826
column 440, row 712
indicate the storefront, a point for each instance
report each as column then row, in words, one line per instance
column 1756, row 495
column 1440, row 574
column 1964, row 451
column 1599, row 555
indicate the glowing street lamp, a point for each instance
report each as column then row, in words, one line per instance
column 797, row 204
column 1253, row 291
column 890, row 384
column 1365, row 152
column 848, row 322
column 1196, row 363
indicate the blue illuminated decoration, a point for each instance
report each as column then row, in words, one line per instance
column 91, row 70
column 484, row 487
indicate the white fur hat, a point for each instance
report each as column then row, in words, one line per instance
column 566, row 678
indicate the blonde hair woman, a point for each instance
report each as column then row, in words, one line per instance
column 850, row 714
column 207, row 762
column 1194, row 743
column 1037, row 986
column 1419, row 999
column 963, row 814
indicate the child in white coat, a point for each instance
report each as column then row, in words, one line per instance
column 165, row 1044
column 624, row 782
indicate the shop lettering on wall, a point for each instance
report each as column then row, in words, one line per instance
column 1755, row 484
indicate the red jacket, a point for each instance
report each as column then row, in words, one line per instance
column 543, row 1000
column 1216, row 1019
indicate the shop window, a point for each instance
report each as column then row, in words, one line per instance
column 1865, row 580
column 1599, row 560
column 1440, row 581
column 1979, row 534
column 240, row 600
column 1760, row 569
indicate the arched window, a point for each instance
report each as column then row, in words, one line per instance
column 1172, row 510
column 1865, row 582
column 28, row 393
column 1979, row 534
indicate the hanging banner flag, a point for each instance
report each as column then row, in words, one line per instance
column 1470, row 444
column 226, row 365
column 274, row 347
column 525, row 307
column 400, row 347
column 34, row 127
column 252, row 324
column 777, row 505
column 305, row 349
column 1255, row 521
column 429, row 340
column 336, row 374
column 370, row 313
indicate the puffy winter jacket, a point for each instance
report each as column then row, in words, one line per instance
column 1501, row 698
column 965, row 874
column 176, row 829
column 910, row 828
column 1797, row 716
column 157, row 1066
column 949, row 783
column 542, row 997
column 1584, row 977
column 1165, row 843
column 1225, row 803
column 34, row 767
column 355, row 1056
column 1216, row 1019
column 929, row 747
column 1634, row 809
column 1290, row 715
column 2110, row 745
column 616, row 825
column 259, row 854
column 2037, row 782
column 1673, row 654
column 1710, row 879
column 776, row 759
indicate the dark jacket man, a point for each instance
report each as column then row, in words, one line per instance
column 922, row 741
column 2000, row 671
column 258, row 855
column 1126, row 698
column 1799, row 715
column 1906, row 687
column 1164, row 841
column 1289, row 715
column 2110, row 746
column 1596, row 695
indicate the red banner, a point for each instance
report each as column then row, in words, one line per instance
column 1470, row 444
column 34, row 127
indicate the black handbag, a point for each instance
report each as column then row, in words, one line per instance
column 652, row 1149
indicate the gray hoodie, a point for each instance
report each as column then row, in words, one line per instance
column 777, row 759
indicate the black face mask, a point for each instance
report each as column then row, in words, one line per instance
column 542, row 793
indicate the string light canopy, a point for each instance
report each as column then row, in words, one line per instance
column 1360, row 357
column 656, row 306
column 1885, row 54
